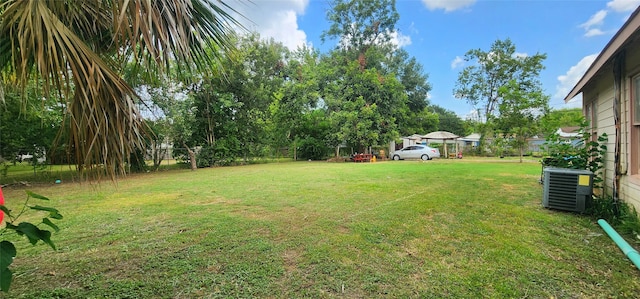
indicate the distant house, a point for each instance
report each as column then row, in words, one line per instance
column 569, row 132
column 412, row 140
column 570, row 135
column 536, row 144
column 611, row 103
column 472, row 140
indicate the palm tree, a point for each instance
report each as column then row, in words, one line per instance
column 78, row 49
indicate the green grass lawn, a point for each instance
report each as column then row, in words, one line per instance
column 445, row 228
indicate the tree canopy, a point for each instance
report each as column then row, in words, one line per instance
column 499, row 82
column 479, row 84
column 218, row 98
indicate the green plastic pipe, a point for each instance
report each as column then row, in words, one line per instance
column 631, row 253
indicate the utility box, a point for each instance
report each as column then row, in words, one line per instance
column 567, row 189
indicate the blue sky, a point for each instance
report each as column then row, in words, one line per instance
column 439, row 32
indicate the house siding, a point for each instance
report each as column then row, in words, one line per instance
column 630, row 186
column 601, row 91
column 602, row 94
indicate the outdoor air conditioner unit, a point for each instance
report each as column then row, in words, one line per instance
column 567, row 189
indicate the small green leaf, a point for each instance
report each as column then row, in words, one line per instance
column 35, row 195
column 31, row 231
column 7, row 253
column 5, row 210
column 53, row 213
column 5, row 279
column 41, row 208
column 55, row 216
column 45, row 236
column 50, row 224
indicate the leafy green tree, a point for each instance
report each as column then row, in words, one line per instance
column 448, row 121
column 80, row 48
column 158, row 144
column 417, row 118
column 361, row 24
column 172, row 118
column 313, row 134
column 295, row 102
column 232, row 109
column 480, row 83
column 266, row 62
column 366, row 79
column 364, row 106
column 558, row 118
column 521, row 108
column 418, row 122
column 412, row 76
column 28, row 125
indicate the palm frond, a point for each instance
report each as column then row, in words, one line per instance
column 159, row 32
column 78, row 49
column 104, row 125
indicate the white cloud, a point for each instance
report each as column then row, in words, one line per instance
column 275, row 19
column 596, row 20
column 623, row 5
column 457, row 62
column 284, row 28
column 594, row 32
column 400, row 40
column 447, row 5
column 591, row 27
column 573, row 75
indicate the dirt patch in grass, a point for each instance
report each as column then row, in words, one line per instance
column 509, row 187
column 291, row 258
column 343, row 229
column 216, row 200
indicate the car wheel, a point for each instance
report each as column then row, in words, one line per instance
column 396, row 157
column 425, row 158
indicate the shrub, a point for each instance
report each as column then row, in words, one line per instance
column 583, row 154
column 311, row 148
column 620, row 215
column 32, row 231
column 137, row 162
column 205, row 157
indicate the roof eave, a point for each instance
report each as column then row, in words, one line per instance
column 630, row 26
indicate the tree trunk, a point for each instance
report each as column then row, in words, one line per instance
column 192, row 157
column 158, row 154
column 521, row 151
column 295, row 150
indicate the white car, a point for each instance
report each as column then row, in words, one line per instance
column 416, row 152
